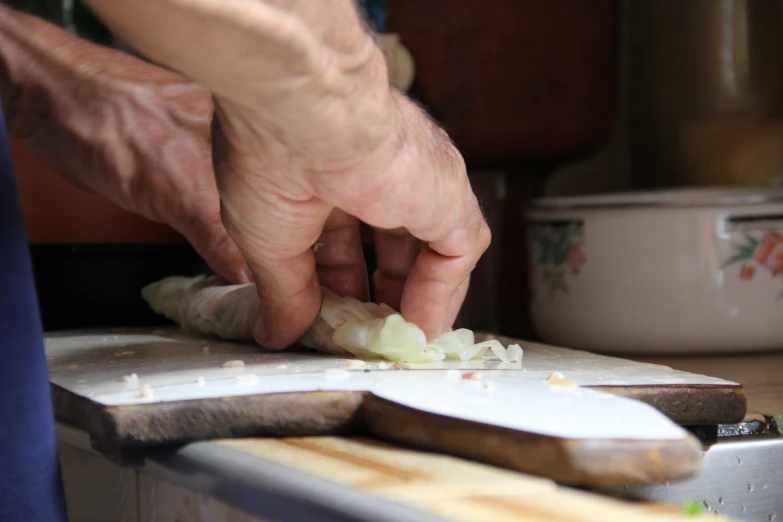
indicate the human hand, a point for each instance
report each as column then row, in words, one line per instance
column 119, row 127
column 300, row 227
column 309, row 139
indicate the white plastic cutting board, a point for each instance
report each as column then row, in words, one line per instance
column 176, row 367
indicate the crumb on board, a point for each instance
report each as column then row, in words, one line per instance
column 384, row 365
column 122, row 354
column 146, row 392
column 236, row 363
column 354, row 364
column 556, row 378
column 471, row 376
column 131, row 379
column 400, row 366
column 72, row 366
column 246, row 378
column 318, row 246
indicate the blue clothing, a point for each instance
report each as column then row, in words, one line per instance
column 30, row 484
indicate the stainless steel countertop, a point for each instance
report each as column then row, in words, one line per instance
column 741, row 478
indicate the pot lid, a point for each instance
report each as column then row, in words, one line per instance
column 685, row 197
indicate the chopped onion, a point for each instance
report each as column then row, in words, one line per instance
column 497, row 349
column 514, row 352
column 366, row 330
column 336, row 310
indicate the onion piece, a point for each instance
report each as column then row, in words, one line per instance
column 514, row 352
column 209, row 306
column 336, row 310
column 497, row 349
column 472, row 352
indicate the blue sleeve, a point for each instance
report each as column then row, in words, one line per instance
column 30, row 485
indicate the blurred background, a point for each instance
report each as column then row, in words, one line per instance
column 542, row 98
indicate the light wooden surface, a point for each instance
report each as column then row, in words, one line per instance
column 456, row 489
column 761, row 375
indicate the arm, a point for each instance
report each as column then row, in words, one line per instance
column 116, row 126
column 276, row 59
column 308, row 138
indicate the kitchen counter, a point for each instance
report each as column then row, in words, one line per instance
column 321, row 479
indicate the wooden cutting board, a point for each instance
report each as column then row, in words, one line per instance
column 501, row 413
column 759, row 373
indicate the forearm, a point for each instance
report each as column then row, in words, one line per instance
column 38, row 63
column 282, row 61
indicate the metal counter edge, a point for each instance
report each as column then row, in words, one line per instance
column 271, row 490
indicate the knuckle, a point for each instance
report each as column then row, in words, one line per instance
column 484, row 235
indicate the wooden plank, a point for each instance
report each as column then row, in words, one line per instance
column 759, row 373
column 689, row 405
column 116, row 430
column 686, row 404
column 447, row 486
column 566, row 461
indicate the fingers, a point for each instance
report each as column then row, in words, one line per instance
column 339, row 257
column 396, row 254
column 438, row 281
column 210, row 239
column 275, row 226
column 425, row 189
column 457, row 299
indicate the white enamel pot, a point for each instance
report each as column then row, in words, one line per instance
column 681, row 271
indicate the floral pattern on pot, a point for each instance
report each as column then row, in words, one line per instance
column 758, row 253
column 558, row 252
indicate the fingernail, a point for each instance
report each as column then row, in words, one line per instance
column 244, row 276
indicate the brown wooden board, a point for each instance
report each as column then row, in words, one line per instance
column 118, row 431
column 760, row 374
column 686, row 404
